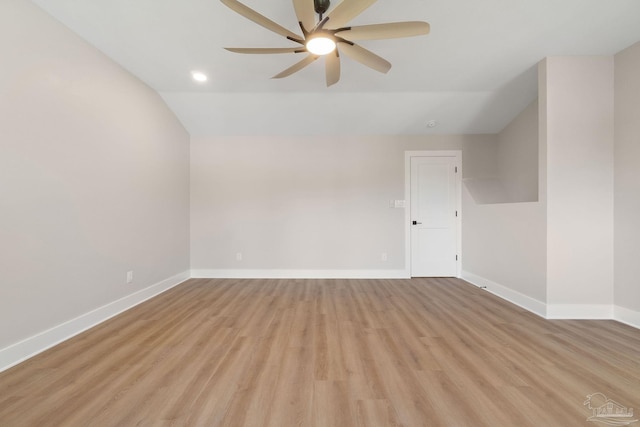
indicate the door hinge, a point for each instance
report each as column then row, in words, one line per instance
column 456, row 214
column 456, row 169
column 456, row 257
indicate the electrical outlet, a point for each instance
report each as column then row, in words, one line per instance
column 239, row 256
column 129, row 277
column 384, row 256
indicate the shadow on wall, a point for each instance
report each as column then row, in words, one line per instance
column 485, row 191
column 507, row 170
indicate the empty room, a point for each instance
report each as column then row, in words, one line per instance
column 318, row 213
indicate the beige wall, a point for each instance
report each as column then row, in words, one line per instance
column 93, row 178
column 579, row 148
column 517, row 156
column 481, row 177
column 505, row 170
column 313, row 203
column 627, row 178
column 504, row 244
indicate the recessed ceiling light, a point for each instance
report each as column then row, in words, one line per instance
column 199, row 76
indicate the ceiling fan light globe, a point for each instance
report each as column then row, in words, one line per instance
column 321, row 45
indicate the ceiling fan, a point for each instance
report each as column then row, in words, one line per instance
column 329, row 36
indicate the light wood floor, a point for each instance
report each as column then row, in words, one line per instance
column 422, row 352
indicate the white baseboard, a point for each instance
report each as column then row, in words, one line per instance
column 580, row 311
column 23, row 350
column 300, row 274
column 626, row 316
column 557, row 311
column 515, row 297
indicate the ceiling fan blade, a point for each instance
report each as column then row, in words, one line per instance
column 386, row 31
column 296, row 67
column 266, row 50
column 346, row 11
column 332, row 65
column 259, row 19
column 306, row 13
column 365, row 57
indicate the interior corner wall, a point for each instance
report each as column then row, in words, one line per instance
column 579, row 148
column 94, row 180
column 307, row 205
column 518, row 167
column 504, row 244
column 481, row 177
column 627, row 180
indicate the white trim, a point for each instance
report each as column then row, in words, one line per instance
column 299, row 274
column 557, row 311
column 626, row 316
column 531, row 304
column 580, row 311
column 407, row 196
column 23, row 350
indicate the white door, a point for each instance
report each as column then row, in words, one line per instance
column 434, row 214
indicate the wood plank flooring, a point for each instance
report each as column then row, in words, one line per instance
column 353, row 353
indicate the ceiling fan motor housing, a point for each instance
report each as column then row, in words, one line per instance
column 321, row 6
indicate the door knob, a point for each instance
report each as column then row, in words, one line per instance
column 416, row 223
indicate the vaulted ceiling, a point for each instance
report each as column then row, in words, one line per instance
column 472, row 74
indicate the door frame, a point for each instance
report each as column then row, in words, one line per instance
column 407, row 196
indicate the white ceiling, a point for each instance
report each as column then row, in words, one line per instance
column 473, row 73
